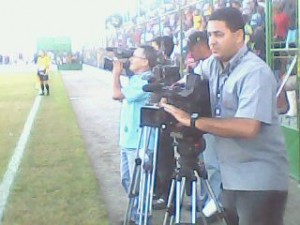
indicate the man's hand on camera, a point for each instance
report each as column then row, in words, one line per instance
column 117, row 67
column 181, row 116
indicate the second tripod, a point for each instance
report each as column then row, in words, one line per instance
column 141, row 188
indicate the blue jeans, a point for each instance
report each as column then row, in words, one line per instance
column 128, row 157
column 127, row 166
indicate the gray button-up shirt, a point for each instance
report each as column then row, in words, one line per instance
column 248, row 90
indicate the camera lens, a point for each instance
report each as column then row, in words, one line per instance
column 108, row 64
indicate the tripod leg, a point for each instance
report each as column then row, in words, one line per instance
column 194, row 199
column 194, row 186
column 146, row 189
column 169, row 214
column 178, row 200
column 146, row 206
column 141, row 201
column 133, row 190
column 153, row 171
column 150, row 176
column 182, row 193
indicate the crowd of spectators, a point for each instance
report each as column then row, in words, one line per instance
column 195, row 16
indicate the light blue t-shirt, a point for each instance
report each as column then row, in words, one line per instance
column 135, row 99
column 248, row 90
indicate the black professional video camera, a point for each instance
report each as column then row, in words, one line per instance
column 193, row 97
column 163, row 76
column 118, row 54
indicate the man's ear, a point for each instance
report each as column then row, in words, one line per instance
column 239, row 36
column 146, row 63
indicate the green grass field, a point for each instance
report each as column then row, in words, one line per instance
column 55, row 183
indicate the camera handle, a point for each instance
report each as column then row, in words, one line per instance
column 181, row 176
column 140, row 193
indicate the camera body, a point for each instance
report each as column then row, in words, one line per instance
column 120, row 54
column 194, row 97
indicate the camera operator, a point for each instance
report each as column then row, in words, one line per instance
column 249, row 141
column 133, row 98
column 164, row 44
column 199, row 48
column 165, row 155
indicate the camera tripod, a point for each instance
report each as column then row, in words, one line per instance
column 142, row 183
column 188, row 172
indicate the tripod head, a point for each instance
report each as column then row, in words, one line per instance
column 188, row 160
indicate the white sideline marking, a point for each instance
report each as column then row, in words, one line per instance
column 15, row 160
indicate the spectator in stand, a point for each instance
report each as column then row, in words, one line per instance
column 247, row 7
column 256, row 18
column 292, row 36
column 137, row 36
column 248, row 30
column 261, row 3
column 220, row 4
column 188, row 19
column 259, row 42
column 236, row 4
column 281, row 22
column 197, row 19
column 207, row 10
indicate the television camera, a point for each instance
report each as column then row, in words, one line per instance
column 120, row 54
column 192, row 97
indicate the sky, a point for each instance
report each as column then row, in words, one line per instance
column 23, row 21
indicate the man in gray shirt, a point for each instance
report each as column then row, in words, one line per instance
column 249, row 141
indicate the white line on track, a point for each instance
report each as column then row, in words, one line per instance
column 15, row 160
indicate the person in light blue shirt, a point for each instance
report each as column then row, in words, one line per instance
column 248, row 138
column 133, row 98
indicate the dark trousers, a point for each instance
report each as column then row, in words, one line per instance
column 165, row 164
column 254, row 207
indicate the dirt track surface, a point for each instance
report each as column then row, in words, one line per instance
column 98, row 118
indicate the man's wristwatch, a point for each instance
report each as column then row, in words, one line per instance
column 194, row 117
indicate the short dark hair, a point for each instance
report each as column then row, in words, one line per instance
column 231, row 16
column 150, row 54
column 236, row 2
column 167, row 42
column 197, row 37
